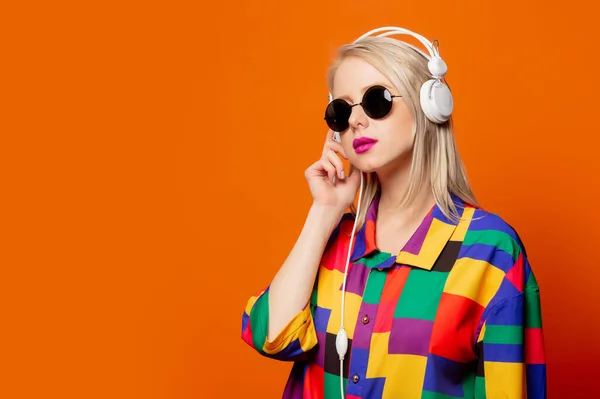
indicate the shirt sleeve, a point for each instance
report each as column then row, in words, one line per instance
column 510, row 346
column 293, row 343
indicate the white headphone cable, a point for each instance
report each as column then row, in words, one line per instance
column 341, row 341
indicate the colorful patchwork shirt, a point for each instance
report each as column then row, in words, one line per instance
column 455, row 314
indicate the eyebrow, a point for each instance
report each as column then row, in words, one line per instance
column 347, row 97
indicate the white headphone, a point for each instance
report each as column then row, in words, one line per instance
column 437, row 104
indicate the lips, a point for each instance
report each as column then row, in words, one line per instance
column 363, row 144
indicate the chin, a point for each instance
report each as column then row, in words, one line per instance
column 373, row 162
column 369, row 163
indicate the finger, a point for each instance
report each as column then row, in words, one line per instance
column 337, row 147
column 337, row 163
column 315, row 169
column 329, row 168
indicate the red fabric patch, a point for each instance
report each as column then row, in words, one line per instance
column 370, row 235
column 335, row 256
column 516, row 273
column 534, row 346
column 314, row 382
column 247, row 335
column 454, row 328
column 385, row 314
column 394, row 284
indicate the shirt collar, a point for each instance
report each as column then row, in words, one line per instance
column 424, row 246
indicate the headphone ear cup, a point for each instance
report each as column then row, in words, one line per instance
column 436, row 101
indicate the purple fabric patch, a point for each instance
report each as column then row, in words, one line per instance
column 294, row 388
column 362, row 331
column 372, row 211
column 357, row 278
column 415, row 243
column 320, row 357
column 410, row 336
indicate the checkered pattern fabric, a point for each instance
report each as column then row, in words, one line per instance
column 456, row 314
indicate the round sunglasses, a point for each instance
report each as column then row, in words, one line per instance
column 376, row 102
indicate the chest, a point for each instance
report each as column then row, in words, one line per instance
column 398, row 310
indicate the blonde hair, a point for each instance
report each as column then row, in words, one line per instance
column 434, row 151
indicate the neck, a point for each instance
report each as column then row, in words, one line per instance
column 394, row 185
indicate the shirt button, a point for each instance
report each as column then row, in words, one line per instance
column 355, row 378
column 365, row 319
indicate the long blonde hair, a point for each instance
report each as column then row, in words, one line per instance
column 434, row 149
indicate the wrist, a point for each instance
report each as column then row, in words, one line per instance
column 328, row 209
column 329, row 214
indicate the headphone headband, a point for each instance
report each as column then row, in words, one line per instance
column 394, row 30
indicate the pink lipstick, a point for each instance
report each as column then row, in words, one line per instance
column 363, row 144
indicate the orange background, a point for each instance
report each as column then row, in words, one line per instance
column 153, row 177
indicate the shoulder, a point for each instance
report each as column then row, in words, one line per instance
column 495, row 244
column 490, row 229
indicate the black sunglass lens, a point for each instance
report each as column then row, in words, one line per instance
column 337, row 115
column 377, row 102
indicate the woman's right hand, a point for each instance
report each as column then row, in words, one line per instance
column 326, row 178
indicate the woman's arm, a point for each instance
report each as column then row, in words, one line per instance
column 291, row 287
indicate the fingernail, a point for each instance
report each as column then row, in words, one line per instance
column 343, row 175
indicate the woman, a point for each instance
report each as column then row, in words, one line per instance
column 417, row 292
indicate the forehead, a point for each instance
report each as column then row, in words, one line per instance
column 353, row 76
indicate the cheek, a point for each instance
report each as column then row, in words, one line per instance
column 346, row 145
column 402, row 125
column 400, row 132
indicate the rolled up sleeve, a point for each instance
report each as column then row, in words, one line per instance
column 294, row 341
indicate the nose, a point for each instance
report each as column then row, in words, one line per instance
column 358, row 118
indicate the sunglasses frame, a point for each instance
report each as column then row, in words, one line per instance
column 367, row 112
